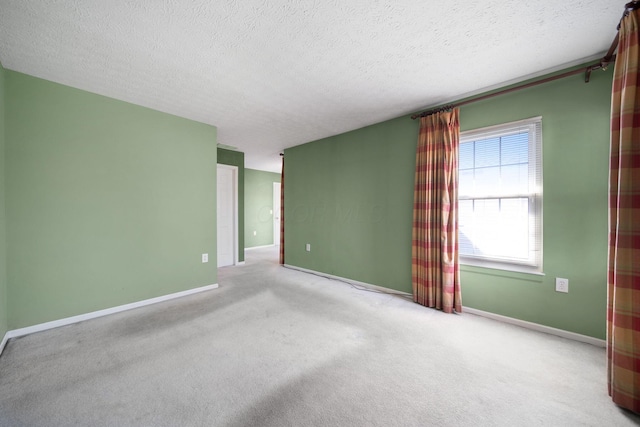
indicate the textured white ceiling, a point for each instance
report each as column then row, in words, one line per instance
column 272, row 74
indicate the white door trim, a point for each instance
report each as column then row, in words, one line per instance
column 234, row 173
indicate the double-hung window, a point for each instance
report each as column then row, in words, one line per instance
column 500, row 196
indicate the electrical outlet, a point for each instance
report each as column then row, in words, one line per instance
column 562, row 285
column 255, row 232
column 308, row 248
column 205, row 257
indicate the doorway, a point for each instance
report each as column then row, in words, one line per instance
column 276, row 213
column 227, row 215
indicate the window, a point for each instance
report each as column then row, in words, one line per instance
column 500, row 196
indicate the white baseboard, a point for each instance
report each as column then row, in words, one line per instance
column 522, row 323
column 355, row 282
column 4, row 342
column 100, row 313
column 258, row 247
column 537, row 327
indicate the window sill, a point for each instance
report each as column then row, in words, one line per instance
column 511, row 271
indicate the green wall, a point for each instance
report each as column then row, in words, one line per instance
column 236, row 158
column 350, row 196
column 107, row 203
column 258, row 207
column 3, row 243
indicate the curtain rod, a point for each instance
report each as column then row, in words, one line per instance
column 609, row 56
column 604, row 62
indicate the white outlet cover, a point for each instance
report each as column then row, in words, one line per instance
column 562, row 285
column 308, row 247
column 205, row 257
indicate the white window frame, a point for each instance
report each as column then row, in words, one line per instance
column 534, row 262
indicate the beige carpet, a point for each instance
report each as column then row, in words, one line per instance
column 277, row 347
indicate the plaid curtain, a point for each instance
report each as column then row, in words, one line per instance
column 623, row 303
column 434, row 249
column 282, row 214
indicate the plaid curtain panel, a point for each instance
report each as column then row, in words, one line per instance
column 282, row 214
column 435, row 269
column 623, row 303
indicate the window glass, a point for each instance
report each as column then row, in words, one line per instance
column 500, row 198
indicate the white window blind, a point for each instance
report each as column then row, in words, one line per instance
column 500, row 196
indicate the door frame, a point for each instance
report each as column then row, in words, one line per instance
column 234, row 192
